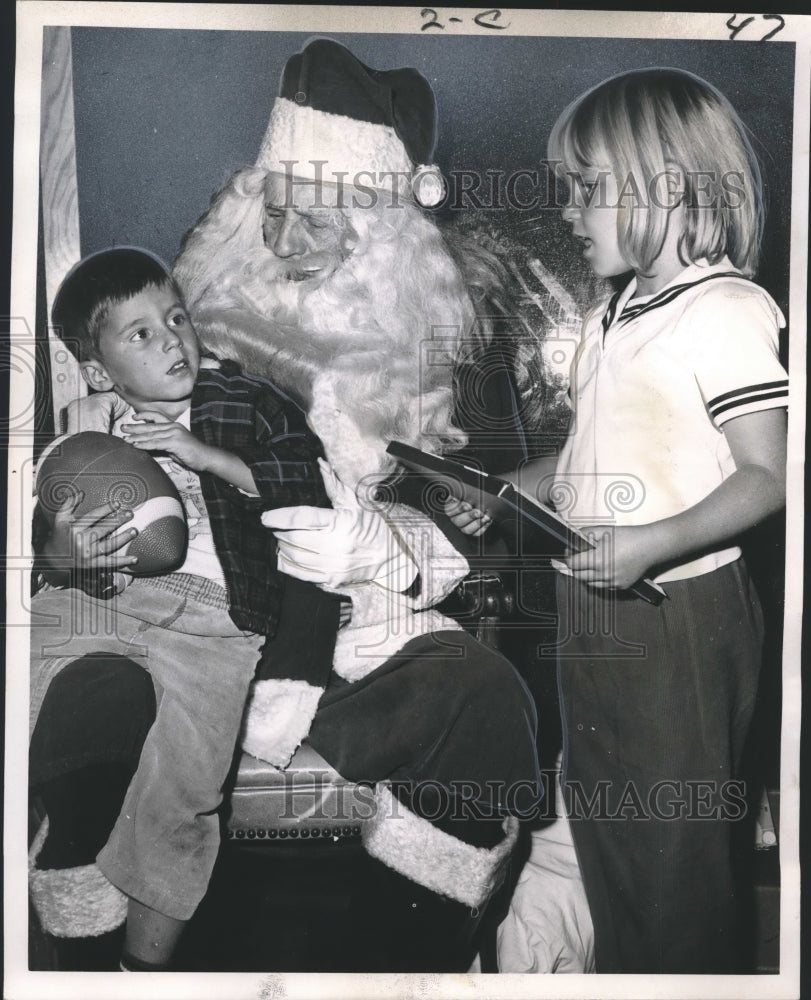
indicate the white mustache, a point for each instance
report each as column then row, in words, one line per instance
column 273, row 269
column 314, row 263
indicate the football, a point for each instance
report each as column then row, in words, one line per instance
column 104, row 468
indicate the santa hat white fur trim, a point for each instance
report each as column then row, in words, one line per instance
column 278, row 718
column 444, row 864
column 356, row 152
column 73, row 902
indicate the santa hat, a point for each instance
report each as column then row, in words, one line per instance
column 338, row 121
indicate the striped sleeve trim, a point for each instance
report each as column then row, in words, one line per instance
column 749, row 399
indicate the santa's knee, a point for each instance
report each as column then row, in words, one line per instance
column 491, row 694
column 480, row 664
column 485, row 751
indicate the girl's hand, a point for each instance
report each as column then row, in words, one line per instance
column 622, row 556
column 467, row 518
column 152, row 431
column 89, row 541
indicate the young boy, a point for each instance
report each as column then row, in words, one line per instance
column 234, row 447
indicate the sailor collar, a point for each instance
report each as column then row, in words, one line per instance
column 623, row 307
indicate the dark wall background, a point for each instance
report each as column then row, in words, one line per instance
column 163, row 117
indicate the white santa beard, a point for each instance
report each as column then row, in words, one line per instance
column 359, row 379
column 249, row 310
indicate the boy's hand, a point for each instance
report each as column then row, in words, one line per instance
column 89, row 541
column 623, row 556
column 467, row 518
column 152, row 431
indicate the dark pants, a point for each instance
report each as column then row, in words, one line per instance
column 656, row 707
column 446, row 711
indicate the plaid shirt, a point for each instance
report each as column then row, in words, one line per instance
column 252, row 419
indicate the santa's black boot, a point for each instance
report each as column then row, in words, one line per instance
column 435, row 883
column 415, row 929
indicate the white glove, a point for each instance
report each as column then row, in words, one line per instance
column 349, row 544
column 96, row 412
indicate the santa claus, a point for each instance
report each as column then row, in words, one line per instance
column 318, row 269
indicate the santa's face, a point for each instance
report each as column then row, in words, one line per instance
column 304, row 229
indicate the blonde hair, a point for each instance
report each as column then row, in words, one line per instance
column 647, row 122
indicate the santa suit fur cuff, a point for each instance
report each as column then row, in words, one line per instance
column 279, row 715
column 73, row 902
column 442, row 863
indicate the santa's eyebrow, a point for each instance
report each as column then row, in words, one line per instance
column 323, row 212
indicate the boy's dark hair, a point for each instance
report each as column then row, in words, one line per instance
column 99, row 281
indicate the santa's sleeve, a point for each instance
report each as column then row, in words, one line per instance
column 292, row 673
column 734, row 330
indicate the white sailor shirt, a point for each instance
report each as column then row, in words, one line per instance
column 654, row 380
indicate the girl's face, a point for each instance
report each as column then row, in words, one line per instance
column 593, row 213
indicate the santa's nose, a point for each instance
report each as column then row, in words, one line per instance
column 287, row 239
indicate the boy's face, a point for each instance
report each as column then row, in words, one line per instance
column 148, row 352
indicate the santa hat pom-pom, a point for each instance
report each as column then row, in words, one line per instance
column 428, row 186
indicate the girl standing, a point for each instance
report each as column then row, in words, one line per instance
column 678, row 396
column 677, row 446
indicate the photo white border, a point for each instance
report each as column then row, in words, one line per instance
column 23, row 985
